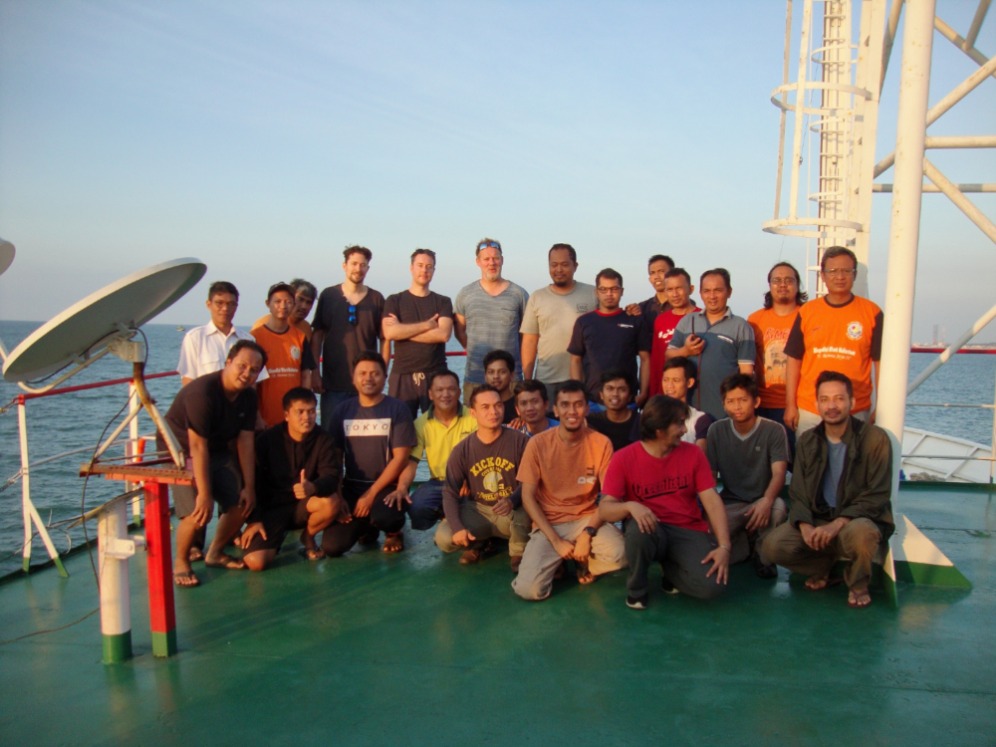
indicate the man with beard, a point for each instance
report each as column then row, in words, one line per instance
column 840, row 504
column 549, row 320
column 562, row 469
column 347, row 322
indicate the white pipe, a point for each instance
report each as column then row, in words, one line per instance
column 953, row 348
column 905, row 229
column 961, row 202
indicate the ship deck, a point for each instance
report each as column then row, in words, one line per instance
column 373, row 649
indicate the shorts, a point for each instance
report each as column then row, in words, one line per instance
column 226, row 485
column 277, row 521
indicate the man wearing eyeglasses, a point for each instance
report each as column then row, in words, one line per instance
column 840, row 332
column 347, row 322
column 772, row 325
column 487, row 315
column 608, row 338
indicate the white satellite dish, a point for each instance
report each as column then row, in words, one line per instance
column 85, row 331
column 6, row 255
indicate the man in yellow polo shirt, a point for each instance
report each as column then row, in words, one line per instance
column 438, row 430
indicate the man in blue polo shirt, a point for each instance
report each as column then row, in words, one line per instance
column 720, row 343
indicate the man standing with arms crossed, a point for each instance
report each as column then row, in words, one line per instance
column 419, row 322
column 487, row 315
column 549, row 320
column 347, row 322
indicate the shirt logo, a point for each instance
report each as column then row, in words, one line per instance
column 295, row 353
column 855, row 331
column 377, row 427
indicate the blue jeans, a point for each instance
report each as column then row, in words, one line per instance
column 427, row 505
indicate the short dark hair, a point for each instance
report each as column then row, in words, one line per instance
column 481, row 389
column 678, row 272
column 427, row 252
column 686, row 364
column 441, row 372
column 609, row 274
column 570, row 386
column 800, row 295
column 299, row 394
column 837, row 251
column 500, row 355
column 826, row 377
column 659, row 414
column 738, row 381
column 617, row 373
column 660, row 258
column 370, row 355
column 356, row 249
column 280, row 287
column 567, row 247
column 531, row 385
column 241, row 345
column 222, row 286
column 721, row 271
column 308, row 290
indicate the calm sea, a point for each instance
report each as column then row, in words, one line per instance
column 75, row 421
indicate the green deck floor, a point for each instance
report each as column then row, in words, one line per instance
column 415, row 649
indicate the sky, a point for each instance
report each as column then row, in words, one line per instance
column 263, row 137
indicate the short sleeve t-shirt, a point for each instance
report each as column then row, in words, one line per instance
column 843, row 338
column 771, row 332
column 620, row 434
column 668, row 486
column 492, row 324
column 349, row 330
column 567, row 476
column 664, row 326
column 368, row 435
column 606, row 342
column 744, row 461
column 202, row 407
column 551, row 316
column 287, row 354
column 410, row 356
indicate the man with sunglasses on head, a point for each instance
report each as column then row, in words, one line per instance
column 840, row 332
column 487, row 315
column 347, row 321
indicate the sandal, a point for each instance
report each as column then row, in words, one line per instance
column 227, row 562
column 393, row 543
column 858, row 598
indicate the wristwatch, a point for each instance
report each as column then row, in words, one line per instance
column 591, row 531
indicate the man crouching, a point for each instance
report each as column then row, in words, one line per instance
column 297, row 477
column 655, row 486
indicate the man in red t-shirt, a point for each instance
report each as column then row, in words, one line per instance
column 654, row 486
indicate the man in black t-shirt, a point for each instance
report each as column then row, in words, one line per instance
column 419, row 322
column 213, row 419
column 619, row 423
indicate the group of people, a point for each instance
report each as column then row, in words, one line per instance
column 585, row 433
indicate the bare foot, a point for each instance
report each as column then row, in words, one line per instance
column 858, row 598
column 816, row 583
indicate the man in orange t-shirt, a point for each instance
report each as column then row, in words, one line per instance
column 287, row 351
column 772, row 325
column 561, row 471
column 839, row 332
